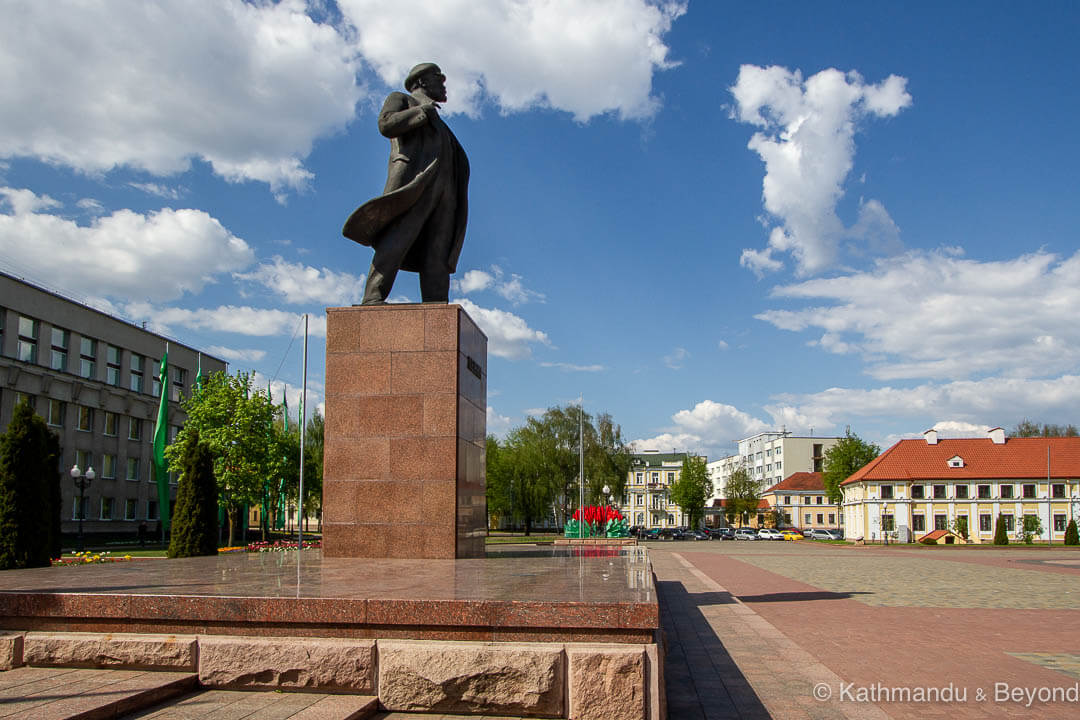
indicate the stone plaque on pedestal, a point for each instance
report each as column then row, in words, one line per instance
column 406, row 423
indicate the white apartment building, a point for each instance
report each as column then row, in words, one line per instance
column 770, row 457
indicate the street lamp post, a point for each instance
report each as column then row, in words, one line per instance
column 82, row 481
column 884, row 529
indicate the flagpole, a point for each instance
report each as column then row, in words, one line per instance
column 303, row 428
column 581, row 467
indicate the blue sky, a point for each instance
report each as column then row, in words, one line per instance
column 709, row 220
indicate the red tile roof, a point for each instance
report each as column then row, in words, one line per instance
column 721, row 503
column 938, row 534
column 800, row 481
column 1017, row 458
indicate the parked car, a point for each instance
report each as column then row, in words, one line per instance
column 745, row 533
column 769, row 534
column 700, row 535
column 652, row 534
column 808, row 532
column 791, row 534
column 724, row 533
column 679, row 534
column 825, row 535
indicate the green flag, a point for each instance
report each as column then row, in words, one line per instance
column 198, row 376
column 280, row 518
column 161, row 438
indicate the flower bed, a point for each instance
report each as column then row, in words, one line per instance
column 89, row 558
column 281, row 545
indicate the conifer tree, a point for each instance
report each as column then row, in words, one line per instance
column 1001, row 537
column 29, row 492
column 194, row 524
column 1072, row 537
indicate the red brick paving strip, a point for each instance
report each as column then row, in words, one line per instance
column 911, row 646
column 770, row 675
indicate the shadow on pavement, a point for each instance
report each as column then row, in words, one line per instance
column 802, row 596
column 701, row 679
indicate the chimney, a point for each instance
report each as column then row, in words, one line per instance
column 997, row 435
column 931, row 436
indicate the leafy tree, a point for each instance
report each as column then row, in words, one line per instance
column 1072, row 537
column 775, row 518
column 743, row 496
column 29, row 492
column 842, row 460
column 1027, row 428
column 960, row 526
column 1030, row 527
column 693, row 488
column 1001, row 535
column 195, row 517
column 235, row 421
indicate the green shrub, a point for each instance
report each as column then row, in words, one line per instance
column 1001, row 536
column 195, row 517
column 1072, row 537
column 29, row 492
column 1031, row 527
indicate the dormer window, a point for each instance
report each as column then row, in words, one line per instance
column 956, row 461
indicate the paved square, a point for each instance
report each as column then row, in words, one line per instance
column 922, row 632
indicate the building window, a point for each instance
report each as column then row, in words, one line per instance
column 641, row 518
column 106, row 508
column 984, row 523
column 108, row 467
column 56, row 413
column 655, row 477
column 918, row 523
column 984, row 492
column 151, row 510
column 918, row 492
column 888, row 523
column 639, row 478
column 670, row 519
column 1029, row 491
column 21, row 397
column 939, row 492
column 1059, row 523
column 941, row 522
column 787, row 499
column 112, row 424
column 112, row 365
column 134, row 429
column 670, row 477
column 961, row 492
column 86, row 419
column 832, row 519
column 806, row 518
column 28, row 330
column 820, row 499
column 60, row 339
column 133, row 468
column 778, row 451
column 155, row 380
column 1009, row 521
column 886, row 492
column 1057, row 491
column 130, row 506
column 821, row 518
column 84, row 459
column 179, row 380
column 1006, row 491
column 75, row 513
column 88, row 358
column 174, row 430
column 136, row 367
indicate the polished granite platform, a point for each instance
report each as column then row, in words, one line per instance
column 530, row 594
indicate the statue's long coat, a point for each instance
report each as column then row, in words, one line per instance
column 420, row 218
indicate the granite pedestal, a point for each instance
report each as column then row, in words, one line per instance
column 406, row 420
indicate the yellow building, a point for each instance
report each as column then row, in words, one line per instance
column 800, row 501
column 917, row 486
column 647, row 502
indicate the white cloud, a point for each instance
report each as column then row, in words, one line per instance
column 157, row 189
column 497, row 425
column 160, row 255
column 239, row 320
column 721, row 345
column 709, row 427
column 302, row 284
column 585, row 58
column 236, row 354
column 512, row 289
column 247, row 87
column 936, row 315
column 570, row 367
column 807, row 143
column 91, row 206
column 473, row 281
column 676, row 357
column 508, row 335
column 967, row 404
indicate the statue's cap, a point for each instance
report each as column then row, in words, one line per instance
column 419, row 71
